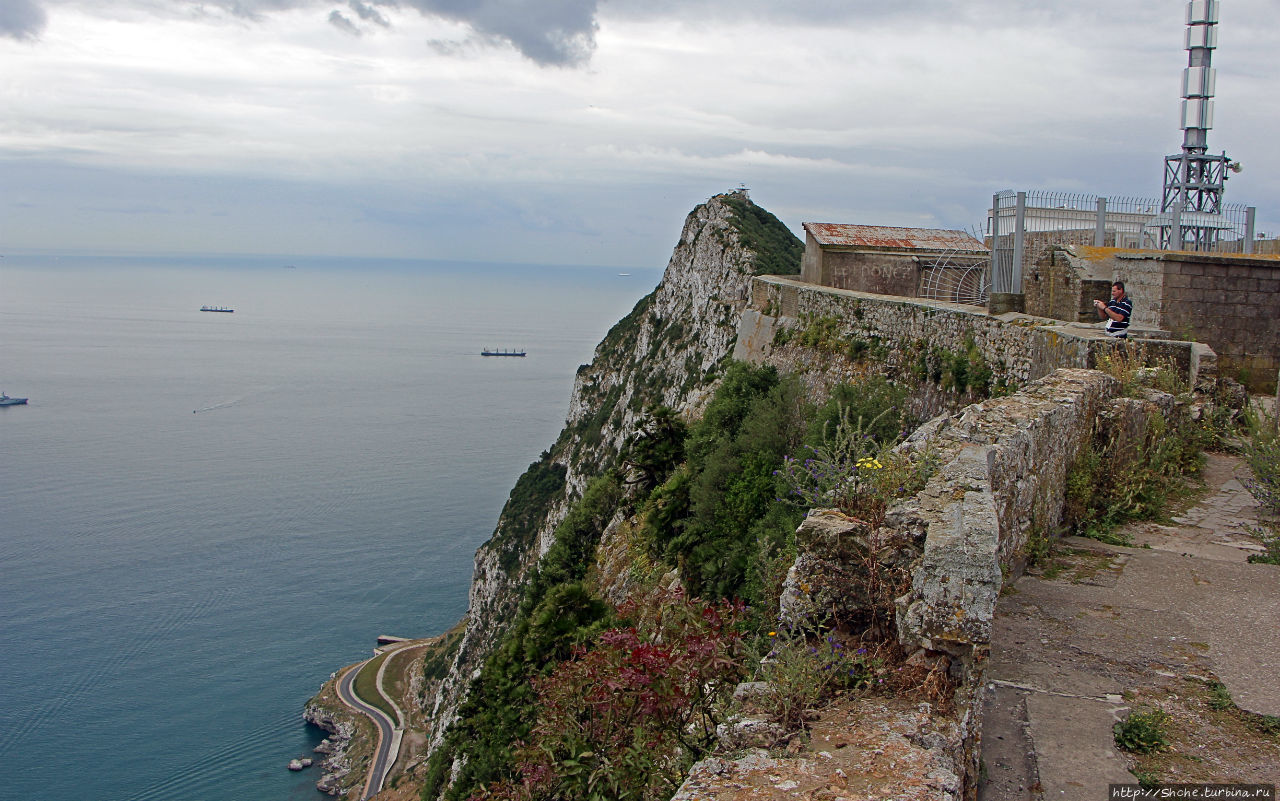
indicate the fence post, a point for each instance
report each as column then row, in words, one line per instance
column 1175, row 227
column 1250, row 223
column 1019, row 229
column 995, row 281
column 1100, row 233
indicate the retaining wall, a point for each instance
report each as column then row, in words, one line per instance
column 899, row 334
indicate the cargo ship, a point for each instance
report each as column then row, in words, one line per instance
column 216, row 309
column 491, row 352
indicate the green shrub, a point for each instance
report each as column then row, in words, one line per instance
column 804, row 668
column 1261, row 450
column 1106, row 489
column 526, row 507
column 711, row 516
column 656, row 449
column 1143, row 731
column 1219, row 697
column 557, row 612
column 777, row 250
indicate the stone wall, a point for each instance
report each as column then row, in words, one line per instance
column 1232, row 303
column 1002, row 476
column 904, row 336
column 1004, row 465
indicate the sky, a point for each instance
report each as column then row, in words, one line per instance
column 583, row 131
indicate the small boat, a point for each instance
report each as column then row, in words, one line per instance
column 489, row 352
column 216, row 309
column 5, row 400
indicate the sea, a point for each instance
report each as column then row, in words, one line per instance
column 202, row 515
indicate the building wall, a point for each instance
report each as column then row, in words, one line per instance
column 881, row 272
column 1230, row 302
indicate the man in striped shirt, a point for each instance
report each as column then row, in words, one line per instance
column 1117, row 312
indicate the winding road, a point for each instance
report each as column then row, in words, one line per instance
column 388, row 732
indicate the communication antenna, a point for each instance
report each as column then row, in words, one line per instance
column 1191, row 210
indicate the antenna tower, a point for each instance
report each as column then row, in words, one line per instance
column 1191, row 210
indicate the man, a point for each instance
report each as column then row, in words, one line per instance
column 1116, row 312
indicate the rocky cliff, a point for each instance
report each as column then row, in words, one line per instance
column 667, row 351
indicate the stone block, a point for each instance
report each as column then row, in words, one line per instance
column 1004, row 302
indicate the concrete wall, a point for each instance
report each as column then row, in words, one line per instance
column 885, row 273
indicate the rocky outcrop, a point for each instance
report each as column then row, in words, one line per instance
column 336, row 764
column 665, row 352
column 861, row 748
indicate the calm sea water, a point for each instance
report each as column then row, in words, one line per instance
column 202, row 515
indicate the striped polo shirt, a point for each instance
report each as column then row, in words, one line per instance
column 1119, row 328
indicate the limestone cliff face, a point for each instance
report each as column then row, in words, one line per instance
column 665, row 351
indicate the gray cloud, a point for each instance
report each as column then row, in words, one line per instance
column 368, row 13
column 343, row 23
column 548, row 32
column 21, row 19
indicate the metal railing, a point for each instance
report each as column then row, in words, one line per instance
column 1022, row 225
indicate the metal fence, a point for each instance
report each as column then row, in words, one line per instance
column 1022, row 225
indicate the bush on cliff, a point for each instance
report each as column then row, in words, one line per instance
column 716, row 516
column 557, row 612
column 778, row 251
column 526, row 508
column 626, row 718
column 719, row 518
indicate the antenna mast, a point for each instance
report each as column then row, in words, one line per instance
column 1191, row 209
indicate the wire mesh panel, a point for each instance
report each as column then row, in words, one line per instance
column 1066, row 218
column 955, row 283
column 956, row 278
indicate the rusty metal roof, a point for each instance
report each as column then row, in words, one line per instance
column 881, row 237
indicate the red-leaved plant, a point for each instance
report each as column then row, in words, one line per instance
column 626, row 717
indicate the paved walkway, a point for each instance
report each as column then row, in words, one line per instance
column 1068, row 644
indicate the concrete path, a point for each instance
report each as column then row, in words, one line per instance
column 1106, row 620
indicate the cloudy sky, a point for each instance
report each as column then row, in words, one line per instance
column 582, row 131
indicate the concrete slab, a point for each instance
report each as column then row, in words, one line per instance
column 1074, row 747
column 1008, row 755
column 1106, row 619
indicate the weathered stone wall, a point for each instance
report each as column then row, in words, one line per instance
column 1002, row 479
column 1055, row 287
column 1004, row 464
column 899, row 334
